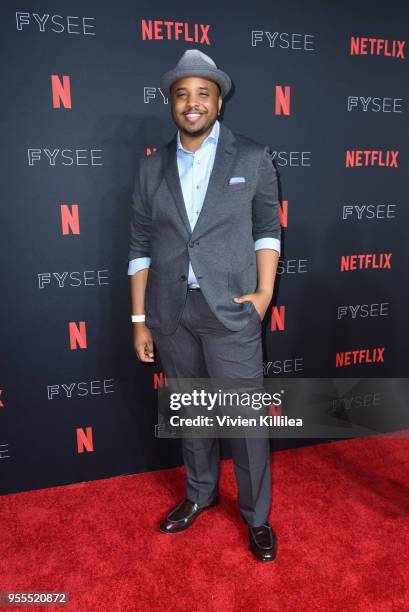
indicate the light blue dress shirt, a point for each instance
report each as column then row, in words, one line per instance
column 194, row 172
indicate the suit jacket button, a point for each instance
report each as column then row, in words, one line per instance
column 191, row 244
column 183, row 277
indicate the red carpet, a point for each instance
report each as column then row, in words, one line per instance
column 341, row 512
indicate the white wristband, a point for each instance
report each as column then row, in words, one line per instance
column 137, row 318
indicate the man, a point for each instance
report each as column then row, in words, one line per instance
column 204, row 248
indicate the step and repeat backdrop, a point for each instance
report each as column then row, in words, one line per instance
column 324, row 84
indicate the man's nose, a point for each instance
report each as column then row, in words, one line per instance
column 193, row 100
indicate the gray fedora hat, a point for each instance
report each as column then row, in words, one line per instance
column 196, row 63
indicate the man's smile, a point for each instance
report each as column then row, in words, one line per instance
column 192, row 117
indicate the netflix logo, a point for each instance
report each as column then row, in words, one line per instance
column 387, row 159
column 360, row 45
column 359, row 357
column 366, row 261
column 85, row 440
column 277, row 318
column 159, row 380
column 175, row 30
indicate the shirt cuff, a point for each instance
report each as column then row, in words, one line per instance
column 268, row 243
column 138, row 264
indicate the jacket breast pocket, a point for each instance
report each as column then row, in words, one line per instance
column 235, row 188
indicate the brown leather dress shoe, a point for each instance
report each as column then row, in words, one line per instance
column 183, row 516
column 263, row 542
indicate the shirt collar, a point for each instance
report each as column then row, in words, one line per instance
column 212, row 137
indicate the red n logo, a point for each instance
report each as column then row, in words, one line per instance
column 84, row 440
column 61, row 91
column 282, row 100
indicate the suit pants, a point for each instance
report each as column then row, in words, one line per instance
column 202, row 347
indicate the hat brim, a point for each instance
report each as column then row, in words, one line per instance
column 214, row 74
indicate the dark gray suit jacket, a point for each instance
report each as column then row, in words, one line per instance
column 221, row 246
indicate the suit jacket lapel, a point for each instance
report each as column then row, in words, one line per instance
column 173, row 181
column 220, row 172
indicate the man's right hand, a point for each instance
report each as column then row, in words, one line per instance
column 142, row 342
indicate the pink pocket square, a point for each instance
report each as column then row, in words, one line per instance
column 236, row 180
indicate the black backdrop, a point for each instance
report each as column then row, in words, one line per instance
column 55, row 392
